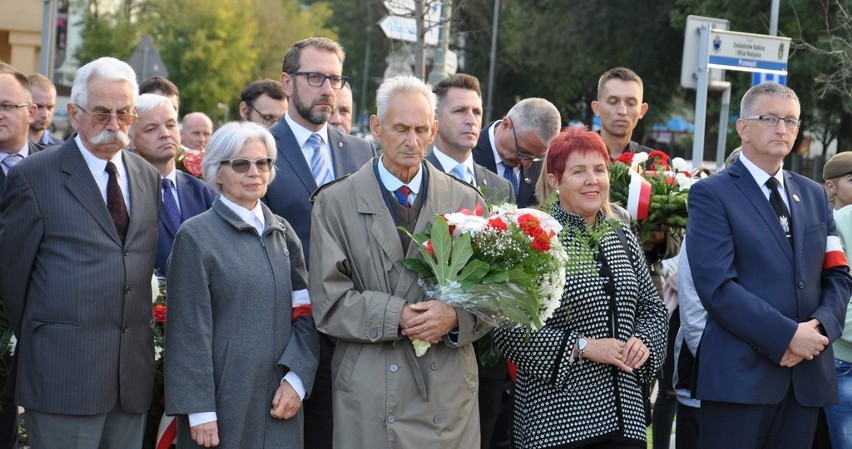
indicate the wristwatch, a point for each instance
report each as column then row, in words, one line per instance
column 581, row 348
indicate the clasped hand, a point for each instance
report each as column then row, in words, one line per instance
column 428, row 320
column 627, row 356
column 806, row 344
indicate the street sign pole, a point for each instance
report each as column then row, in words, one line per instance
column 701, row 96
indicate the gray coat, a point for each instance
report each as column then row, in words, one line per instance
column 229, row 334
column 384, row 396
column 78, row 298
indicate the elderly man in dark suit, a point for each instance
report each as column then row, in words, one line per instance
column 515, row 146
column 310, row 154
column 80, row 220
column 768, row 266
column 157, row 139
column 17, row 111
column 459, row 115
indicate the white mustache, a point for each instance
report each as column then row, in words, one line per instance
column 106, row 136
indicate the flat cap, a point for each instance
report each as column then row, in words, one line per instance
column 840, row 164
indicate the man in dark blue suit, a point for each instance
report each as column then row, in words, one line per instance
column 310, row 154
column 768, row 267
column 515, row 146
column 157, row 139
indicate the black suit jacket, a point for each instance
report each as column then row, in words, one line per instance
column 33, row 149
column 289, row 194
column 483, row 154
column 195, row 197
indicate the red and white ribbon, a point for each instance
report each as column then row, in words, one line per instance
column 834, row 255
column 638, row 196
column 167, row 432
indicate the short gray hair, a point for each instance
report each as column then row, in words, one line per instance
column 399, row 84
column 149, row 102
column 227, row 141
column 538, row 116
column 750, row 98
column 108, row 68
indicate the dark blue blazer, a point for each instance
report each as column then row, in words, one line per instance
column 289, row 194
column 195, row 197
column 756, row 288
column 483, row 154
column 33, row 149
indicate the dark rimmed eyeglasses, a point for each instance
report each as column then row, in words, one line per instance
column 772, row 120
column 241, row 165
column 522, row 154
column 102, row 118
column 268, row 119
column 6, row 107
column 318, row 79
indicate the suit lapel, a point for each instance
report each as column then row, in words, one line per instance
column 483, row 153
column 290, row 153
column 138, row 192
column 796, row 211
column 754, row 194
column 83, row 187
column 339, row 155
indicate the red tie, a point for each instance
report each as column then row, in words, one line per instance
column 115, row 203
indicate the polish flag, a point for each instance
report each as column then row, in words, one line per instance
column 638, row 197
column 834, row 255
column 167, row 432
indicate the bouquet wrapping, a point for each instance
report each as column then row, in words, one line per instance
column 507, row 268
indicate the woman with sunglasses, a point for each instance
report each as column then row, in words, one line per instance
column 241, row 347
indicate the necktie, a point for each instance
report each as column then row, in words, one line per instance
column 115, row 202
column 780, row 208
column 509, row 173
column 12, row 159
column 170, row 207
column 403, row 195
column 460, row 172
column 319, row 166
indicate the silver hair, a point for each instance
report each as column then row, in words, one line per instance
column 398, row 84
column 538, row 116
column 149, row 102
column 227, row 141
column 750, row 98
column 107, row 68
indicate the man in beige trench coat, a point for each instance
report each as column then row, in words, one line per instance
column 384, row 396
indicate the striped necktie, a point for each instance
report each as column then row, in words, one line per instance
column 319, row 166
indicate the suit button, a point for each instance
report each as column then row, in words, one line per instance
column 393, row 367
column 434, row 366
column 391, row 419
column 126, row 253
column 125, row 329
column 801, row 284
column 437, row 419
column 373, row 334
column 126, row 290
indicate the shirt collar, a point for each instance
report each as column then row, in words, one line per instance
column 497, row 157
column 24, row 151
column 392, row 183
column 97, row 165
column 448, row 163
column 251, row 217
column 759, row 175
column 301, row 133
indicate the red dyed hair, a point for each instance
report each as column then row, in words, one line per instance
column 572, row 140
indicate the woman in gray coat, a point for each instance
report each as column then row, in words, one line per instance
column 241, row 347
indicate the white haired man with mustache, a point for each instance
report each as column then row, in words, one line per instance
column 78, row 233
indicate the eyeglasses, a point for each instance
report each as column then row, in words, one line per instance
column 241, row 165
column 771, row 120
column 6, row 107
column 268, row 119
column 318, row 79
column 102, row 118
column 526, row 156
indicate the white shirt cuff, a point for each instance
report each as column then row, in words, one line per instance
column 296, row 383
column 201, row 418
column 301, row 298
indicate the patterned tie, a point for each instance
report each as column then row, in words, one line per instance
column 11, row 160
column 780, row 208
column 170, row 206
column 115, row 203
column 460, row 172
column 403, row 196
column 319, row 166
column 509, row 173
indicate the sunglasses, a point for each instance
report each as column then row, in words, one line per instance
column 240, row 165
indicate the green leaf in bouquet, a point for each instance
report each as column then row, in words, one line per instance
column 418, row 266
column 515, row 313
column 497, row 277
column 520, row 278
column 462, row 252
column 473, row 272
column 442, row 245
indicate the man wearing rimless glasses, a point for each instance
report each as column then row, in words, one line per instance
column 515, row 146
column 310, row 154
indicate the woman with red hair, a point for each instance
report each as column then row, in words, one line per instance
column 580, row 377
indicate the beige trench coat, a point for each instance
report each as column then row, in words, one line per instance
column 383, row 395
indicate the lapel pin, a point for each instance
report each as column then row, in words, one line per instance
column 339, row 144
column 527, row 181
column 796, row 198
column 484, row 182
